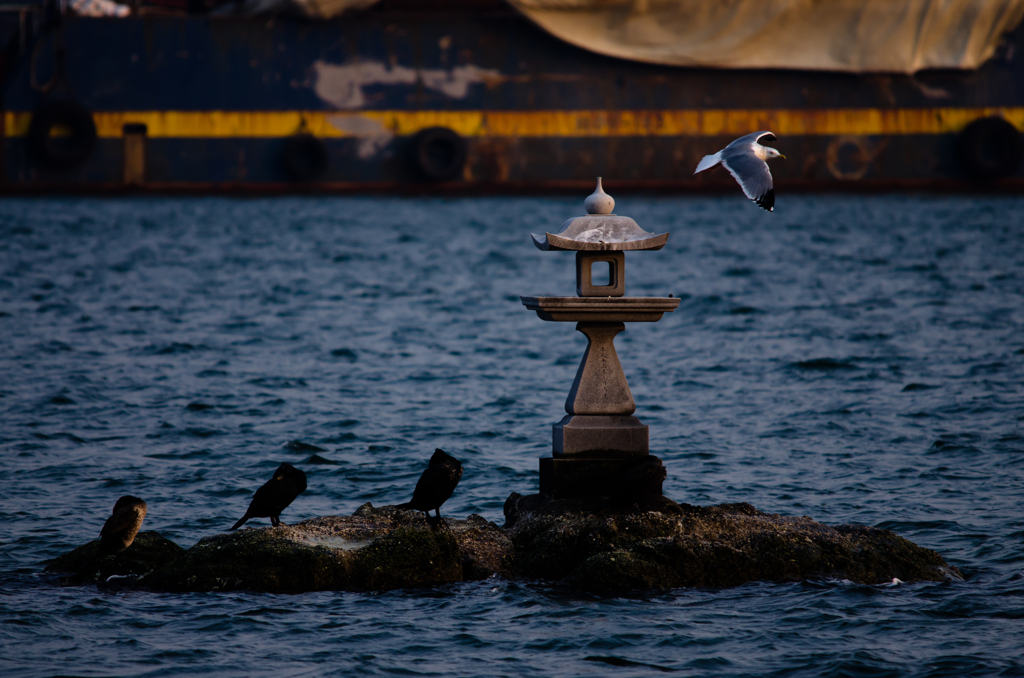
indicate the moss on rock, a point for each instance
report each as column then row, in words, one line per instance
column 486, row 549
column 589, row 544
column 585, row 545
column 258, row 559
column 374, row 549
column 148, row 552
column 410, row 556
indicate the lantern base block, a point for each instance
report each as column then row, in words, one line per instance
column 562, row 478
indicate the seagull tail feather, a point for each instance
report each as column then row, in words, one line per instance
column 708, row 162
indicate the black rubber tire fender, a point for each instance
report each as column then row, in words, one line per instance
column 438, row 153
column 990, row 148
column 62, row 152
column 305, row 157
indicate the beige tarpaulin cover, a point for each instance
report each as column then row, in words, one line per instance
column 836, row 35
column 326, row 9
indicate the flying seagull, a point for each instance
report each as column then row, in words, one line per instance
column 745, row 159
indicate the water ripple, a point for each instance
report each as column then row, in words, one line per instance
column 855, row 359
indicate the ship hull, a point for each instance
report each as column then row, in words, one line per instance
column 234, row 104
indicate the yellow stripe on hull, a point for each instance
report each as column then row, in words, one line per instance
column 668, row 123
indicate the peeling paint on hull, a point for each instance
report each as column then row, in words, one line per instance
column 343, row 86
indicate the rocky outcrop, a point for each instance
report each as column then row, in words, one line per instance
column 647, row 542
column 372, row 550
column 147, row 552
column 589, row 545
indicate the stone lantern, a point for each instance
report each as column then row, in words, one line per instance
column 599, row 440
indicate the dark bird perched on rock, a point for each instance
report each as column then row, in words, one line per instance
column 119, row 531
column 275, row 495
column 435, row 485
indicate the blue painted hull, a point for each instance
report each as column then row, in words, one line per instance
column 180, row 76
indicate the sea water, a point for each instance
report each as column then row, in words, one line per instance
column 848, row 358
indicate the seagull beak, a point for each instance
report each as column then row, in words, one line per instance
column 782, row 156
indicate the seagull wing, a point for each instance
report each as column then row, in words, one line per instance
column 746, row 142
column 708, row 161
column 752, row 174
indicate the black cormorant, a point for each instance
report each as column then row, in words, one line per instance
column 275, row 495
column 436, row 484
